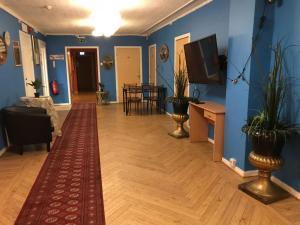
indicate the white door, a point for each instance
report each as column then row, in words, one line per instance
column 27, row 61
column 44, row 69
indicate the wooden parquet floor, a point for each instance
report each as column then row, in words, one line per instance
column 150, row 178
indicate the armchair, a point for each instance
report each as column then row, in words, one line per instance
column 27, row 125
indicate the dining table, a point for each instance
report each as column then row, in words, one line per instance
column 138, row 89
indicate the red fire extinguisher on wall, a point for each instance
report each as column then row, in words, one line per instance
column 54, row 87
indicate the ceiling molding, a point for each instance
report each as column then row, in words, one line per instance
column 186, row 9
column 21, row 19
column 90, row 35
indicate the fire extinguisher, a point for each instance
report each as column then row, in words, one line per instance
column 54, row 87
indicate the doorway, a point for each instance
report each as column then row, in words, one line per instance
column 27, row 61
column 83, row 72
column 44, row 69
column 179, row 43
column 128, row 66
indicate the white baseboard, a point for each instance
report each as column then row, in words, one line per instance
column 211, row 141
column 58, row 104
column 114, row 102
column 239, row 171
column 168, row 114
column 62, row 107
column 2, row 151
column 286, row 187
column 252, row 173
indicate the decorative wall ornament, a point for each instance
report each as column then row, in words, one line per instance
column 6, row 37
column 3, row 51
column 107, row 62
column 17, row 53
column 164, row 52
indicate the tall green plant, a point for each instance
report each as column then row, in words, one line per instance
column 268, row 122
column 180, row 79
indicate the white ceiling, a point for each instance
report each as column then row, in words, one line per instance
column 140, row 17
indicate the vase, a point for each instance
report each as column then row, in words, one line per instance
column 266, row 157
column 180, row 116
column 36, row 94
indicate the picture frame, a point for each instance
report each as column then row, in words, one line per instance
column 36, row 50
column 17, row 53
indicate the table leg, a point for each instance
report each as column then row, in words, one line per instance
column 219, row 138
column 198, row 125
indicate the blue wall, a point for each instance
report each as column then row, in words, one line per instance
column 11, row 77
column 241, row 100
column 210, row 19
column 241, row 19
column 286, row 28
column 57, row 44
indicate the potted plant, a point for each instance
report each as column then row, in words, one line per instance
column 37, row 84
column 269, row 133
column 180, row 101
column 101, row 86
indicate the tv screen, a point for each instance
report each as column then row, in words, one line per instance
column 202, row 61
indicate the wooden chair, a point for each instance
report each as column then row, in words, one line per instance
column 146, row 89
column 125, row 90
column 154, row 98
column 134, row 95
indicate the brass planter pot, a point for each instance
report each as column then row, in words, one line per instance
column 180, row 132
column 263, row 189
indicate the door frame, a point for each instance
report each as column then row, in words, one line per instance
column 33, row 71
column 116, row 66
column 155, row 77
column 67, row 66
column 44, row 68
column 188, row 35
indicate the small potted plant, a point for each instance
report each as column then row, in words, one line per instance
column 269, row 133
column 101, row 86
column 37, row 84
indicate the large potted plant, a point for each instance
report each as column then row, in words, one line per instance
column 37, row 84
column 180, row 101
column 269, row 133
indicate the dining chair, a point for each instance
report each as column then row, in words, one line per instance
column 154, row 97
column 134, row 95
column 125, row 90
column 146, row 89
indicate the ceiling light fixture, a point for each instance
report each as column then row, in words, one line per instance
column 105, row 17
column 106, row 20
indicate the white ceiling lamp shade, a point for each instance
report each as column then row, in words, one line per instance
column 106, row 22
column 105, row 16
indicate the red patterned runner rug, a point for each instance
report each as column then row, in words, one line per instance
column 68, row 188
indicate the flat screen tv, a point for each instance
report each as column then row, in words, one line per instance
column 202, row 61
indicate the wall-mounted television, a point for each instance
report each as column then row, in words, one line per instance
column 202, row 61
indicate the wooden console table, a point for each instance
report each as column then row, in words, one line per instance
column 200, row 116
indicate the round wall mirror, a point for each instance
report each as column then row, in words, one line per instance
column 3, row 51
